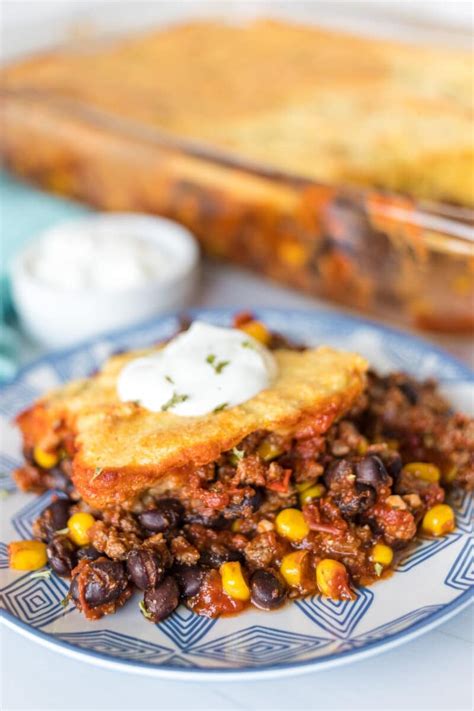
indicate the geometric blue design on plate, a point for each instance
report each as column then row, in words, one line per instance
column 389, row 628
column 3, row 555
column 7, row 466
column 256, row 645
column 78, row 365
column 177, row 661
column 184, row 627
column 8, row 463
column 117, row 645
column 23, row 520
column 16, row 397
column 461, row 575
column 425, row 547
column 7, row 484
column 404, row 356
column 339, row 617
column 463, row 503
column 35, row 600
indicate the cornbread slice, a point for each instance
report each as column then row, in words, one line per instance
column 120, row 450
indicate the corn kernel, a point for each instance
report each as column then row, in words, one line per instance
column 423, row 470
column 27, row 555
column 291, row 523
column 257, row 330
column 450, row 475
column 79, row 525
column 269, row 450
column 382, row 554
column 236, row 525
column 332, row 579
column 46, row 460
column 304, row 485
column 233, row 581
column 292, row 567
column 292, row 253
column 439, row 520
column 313, row 492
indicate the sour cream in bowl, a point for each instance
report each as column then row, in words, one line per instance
column 102, row 272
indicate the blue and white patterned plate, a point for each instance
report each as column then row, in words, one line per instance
column 432, row 583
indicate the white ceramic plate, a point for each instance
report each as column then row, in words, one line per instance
column 432, row 583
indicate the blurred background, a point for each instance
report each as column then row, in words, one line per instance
column 311, row 168
column 33, row 25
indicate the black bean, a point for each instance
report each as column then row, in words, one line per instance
column 216, row 521
column 356, row 501
column 189, row 579
column 410, row 392
column 145, row 567
column 60, row 512
column 62, row 555
column 371, row 471
column 267, row 590
column 256, row 500
column 166, row 514
column 88, row 553
column 215, row 556
column 58, row 479
column 53, row 518
column 74, row 590
column 393, row 464
column 252, row 502
column 162, row 600
column 338, row 472
column 105, row 581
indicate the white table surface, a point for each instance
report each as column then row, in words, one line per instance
column 432, row 672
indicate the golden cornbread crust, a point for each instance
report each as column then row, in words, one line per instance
column 321, row 104
column 121, row 449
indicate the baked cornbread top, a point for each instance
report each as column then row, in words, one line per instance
column 122, row 449
column 321, row 104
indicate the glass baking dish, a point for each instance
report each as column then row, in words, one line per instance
column 380, row 253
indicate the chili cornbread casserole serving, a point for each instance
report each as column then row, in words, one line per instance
column 231, row 467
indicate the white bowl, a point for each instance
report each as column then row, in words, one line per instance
column 57, row 317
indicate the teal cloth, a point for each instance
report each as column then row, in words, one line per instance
column 24, row 213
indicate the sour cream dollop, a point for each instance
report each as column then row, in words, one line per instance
column 96, row 255
column 205, row 369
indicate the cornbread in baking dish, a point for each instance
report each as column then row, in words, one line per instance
column 121, row 450
column 321, row 104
